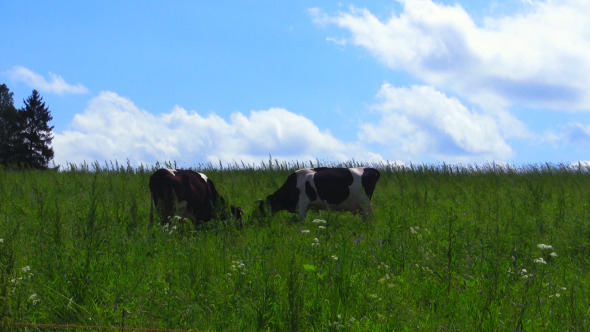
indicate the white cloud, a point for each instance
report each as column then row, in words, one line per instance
column 113, row 128
column 539, row 59
column 56, row 84
column 422, row 122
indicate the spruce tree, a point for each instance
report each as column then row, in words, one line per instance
column 34, row 144
column 9, row 129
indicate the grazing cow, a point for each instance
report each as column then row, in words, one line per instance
column 341, row 189
column 177, row 191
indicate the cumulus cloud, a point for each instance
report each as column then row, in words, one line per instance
column 420, row 121
column 114, row 128
column 56, row 84
column 540, row 58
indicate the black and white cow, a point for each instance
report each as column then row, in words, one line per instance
column 341, row 189
column 192, row 194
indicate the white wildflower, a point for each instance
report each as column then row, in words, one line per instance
column 177, row 219
column 34, row 298
column 544, row 246
column 557, row 295
column 26, row 268
column 540, row 260
column 334, row 257
column 316, row 242
column 237, row 265
column 1, row 240
column 413, row 230
column 322, row 227
column 318, row 221
column 305, row 231
column 553, row 254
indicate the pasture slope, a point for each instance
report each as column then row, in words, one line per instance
column 450, row 248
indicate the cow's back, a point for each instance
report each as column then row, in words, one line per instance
column 332, row 184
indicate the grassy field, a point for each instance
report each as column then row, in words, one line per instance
column 450, row 248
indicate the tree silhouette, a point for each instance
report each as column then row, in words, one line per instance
column 9, row 130
column 25, row 134
column 35, row 133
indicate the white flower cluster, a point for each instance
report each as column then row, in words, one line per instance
column 320, row 223
column 523, row 273
column 169, row 229
column 543, row 260
column 340, row 324
column 543, row 246
column 34, row 298
column 540, row 260
column 178, row 219
column 558, row 295
column 27, row 274
column 238, row 265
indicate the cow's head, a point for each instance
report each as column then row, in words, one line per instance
column 275, row 203
column 270, row 205
column 285, row 198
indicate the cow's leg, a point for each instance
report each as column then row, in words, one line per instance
column 303, row 206
column 151, row 211
column 363, row 203
column 367, row 209
column 167, row 207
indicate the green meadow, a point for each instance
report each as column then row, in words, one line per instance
column 449, row 248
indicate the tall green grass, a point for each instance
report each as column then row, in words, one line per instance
column 450, row 248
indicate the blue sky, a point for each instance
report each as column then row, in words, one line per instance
column 420, row 81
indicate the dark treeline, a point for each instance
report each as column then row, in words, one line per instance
column 25, row 134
